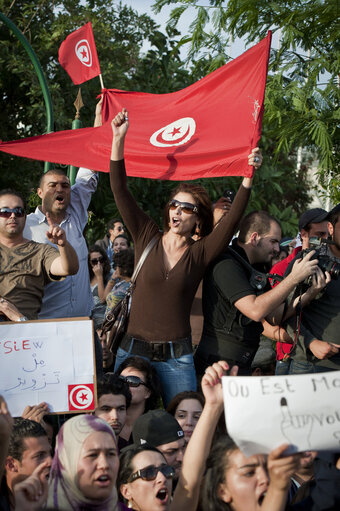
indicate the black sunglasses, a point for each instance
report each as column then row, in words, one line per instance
column 187, row 207
column 132, row 381
column 7, row 212
column 150, row 473
column 96, row 261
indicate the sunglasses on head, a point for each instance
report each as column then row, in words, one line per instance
column 132, row 381
column 150, row 473
column 96, row 261
column 7, row 212
column 185, row 206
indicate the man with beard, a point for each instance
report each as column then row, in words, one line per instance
column 237, row 296
column 318, row 343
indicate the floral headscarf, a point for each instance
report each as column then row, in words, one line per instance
column 63, row 493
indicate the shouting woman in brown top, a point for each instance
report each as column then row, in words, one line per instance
column 159, row 323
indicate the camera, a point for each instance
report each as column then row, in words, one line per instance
column 229, row 194
column 326, row 263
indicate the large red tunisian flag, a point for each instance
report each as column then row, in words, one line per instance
column 78, row 55
column 205, row 130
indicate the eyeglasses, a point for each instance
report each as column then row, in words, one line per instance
column 150, row 473
column 7, row 212
column 96, row 261
column 132, row 381
column 185, row 206
column 120, row 228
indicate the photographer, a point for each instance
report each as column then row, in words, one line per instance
column 235, row 301
column 318, row 342
column 312, row 224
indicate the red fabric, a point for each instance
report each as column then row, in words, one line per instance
column 283, row 348
column 218, row 118
column 78, row 55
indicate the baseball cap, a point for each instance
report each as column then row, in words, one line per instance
column 312, row 216
column 156, row 427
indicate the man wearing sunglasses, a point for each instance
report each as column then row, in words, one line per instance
column 26, row 266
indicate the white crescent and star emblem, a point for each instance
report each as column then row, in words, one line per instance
column 83, row 52
column 81, row 397
column 176, row 133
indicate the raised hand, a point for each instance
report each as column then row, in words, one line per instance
column 55, row 234
column 98, row 117
column 120, row 124
column 211, row 382
column 281, row 468
column 36, row 413
column 255, row 158
column 31, row 494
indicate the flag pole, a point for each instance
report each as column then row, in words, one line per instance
column 101, row 81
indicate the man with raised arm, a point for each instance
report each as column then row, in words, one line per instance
column 67, row 207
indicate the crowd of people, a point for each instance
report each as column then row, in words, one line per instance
column 157, row 439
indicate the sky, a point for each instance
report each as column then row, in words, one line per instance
column 144, row 6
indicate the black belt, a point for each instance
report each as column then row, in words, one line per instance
column 157, row 351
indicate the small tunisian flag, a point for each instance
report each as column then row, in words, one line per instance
column 78, row 55
column 205, row 130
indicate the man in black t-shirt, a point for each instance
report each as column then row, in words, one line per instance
column 236, row 296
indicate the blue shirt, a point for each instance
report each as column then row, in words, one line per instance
column 71, row 297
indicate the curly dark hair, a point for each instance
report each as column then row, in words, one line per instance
column 106, row 267
column 151, row 379
column 125, row 261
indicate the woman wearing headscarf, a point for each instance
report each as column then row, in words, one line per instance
column 84, row 468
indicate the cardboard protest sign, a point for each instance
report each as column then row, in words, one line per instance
column 267, row 411
column 51, row 361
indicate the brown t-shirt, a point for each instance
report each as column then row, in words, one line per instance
column 161, row 303
column 24, row 271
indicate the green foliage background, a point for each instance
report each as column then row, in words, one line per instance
column 298, row 112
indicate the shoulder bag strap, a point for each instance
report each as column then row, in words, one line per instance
column 142, row 258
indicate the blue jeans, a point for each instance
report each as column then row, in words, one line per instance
column 305, row 367
column 282, row 367
column 175, row 374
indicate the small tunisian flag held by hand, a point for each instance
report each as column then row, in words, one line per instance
column 205, row 130
column 78, row 55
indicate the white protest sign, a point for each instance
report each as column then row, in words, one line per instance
column 51, row 361
column 267, row 411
